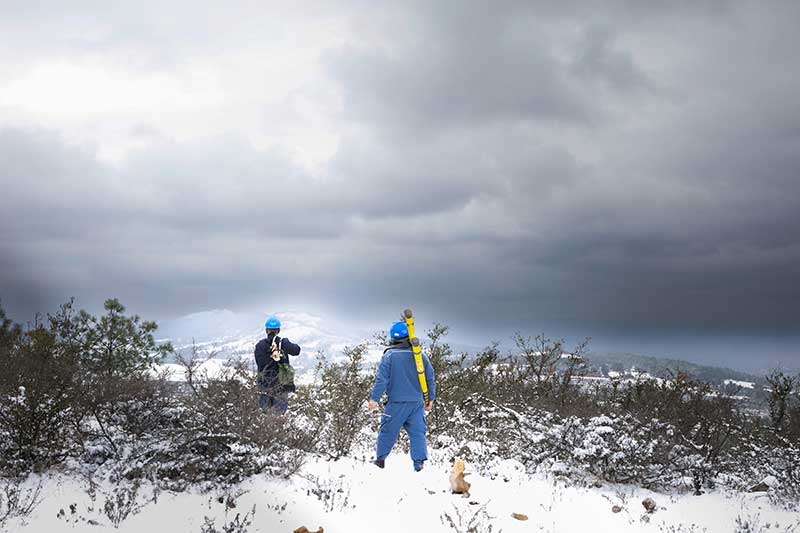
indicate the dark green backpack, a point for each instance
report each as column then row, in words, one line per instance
column 285, row 374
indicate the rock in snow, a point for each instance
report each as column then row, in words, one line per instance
column 769, row 482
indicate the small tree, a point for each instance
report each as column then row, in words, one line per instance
column 541, row 370
column 112, row 346
column 114, row 354
column 339, row 402
column 450, row 389
column 540, row 357
column 572, row 365
column 781, row 387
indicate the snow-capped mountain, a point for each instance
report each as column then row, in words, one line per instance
column 220, row 334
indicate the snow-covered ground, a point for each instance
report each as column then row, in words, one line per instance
column 354, row 496
column 351, row 495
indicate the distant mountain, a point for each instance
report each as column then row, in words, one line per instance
column 223, row 334
column 664, row 367
column 210, row 325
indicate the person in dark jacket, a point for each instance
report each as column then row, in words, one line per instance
column 397, row 377
column 270, row 353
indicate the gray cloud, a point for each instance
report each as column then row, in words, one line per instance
column 635, row 169
column 458, row 69
column 598, row 60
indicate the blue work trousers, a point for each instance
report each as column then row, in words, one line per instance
column 408, row 415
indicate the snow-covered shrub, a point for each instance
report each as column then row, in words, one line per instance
column 479, row 432
column 709, row 425
column 238, row 524
column 762, row 455
column 453, row 384
column 142, row 416
column 543, row 371
column 539, row 374
column 750, row 523
column 82, row 388
column 16, row 501
column 122, row 502
column 680, row 528
column 335, row 408
column 652, row 433
column 334, row 494
column 213, row 433
column 618, row 449
column 216, row 433
column 468, row 520
column 784, row 404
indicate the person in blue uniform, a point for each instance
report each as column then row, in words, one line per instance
column 405, row 408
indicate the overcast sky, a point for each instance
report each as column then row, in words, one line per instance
column 630, row 169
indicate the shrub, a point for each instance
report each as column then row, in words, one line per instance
column 17, row 501
column 336, row 408
column 64, row 383
column 84, row 387
column 783, row 403
column 38, row 394
column 620, row 448
column 216, row 434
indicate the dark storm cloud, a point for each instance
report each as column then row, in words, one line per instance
column 689, row 220
column 636, row 166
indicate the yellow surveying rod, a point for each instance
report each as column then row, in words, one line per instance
column 408, row 317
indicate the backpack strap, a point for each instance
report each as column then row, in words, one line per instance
column 276, row 346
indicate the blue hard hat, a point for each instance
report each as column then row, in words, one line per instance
column 399, row 330
column 273, row 323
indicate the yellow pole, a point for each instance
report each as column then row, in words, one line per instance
column 408, row 317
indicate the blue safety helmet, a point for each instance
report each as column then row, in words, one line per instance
column 399, row 330
column 273, row 323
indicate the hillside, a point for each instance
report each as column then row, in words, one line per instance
column 542, row 455
column 602, row 362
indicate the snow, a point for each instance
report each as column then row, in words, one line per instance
column 210, row 369
column 742, row 384
column 353, row 495
column 224, row 327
